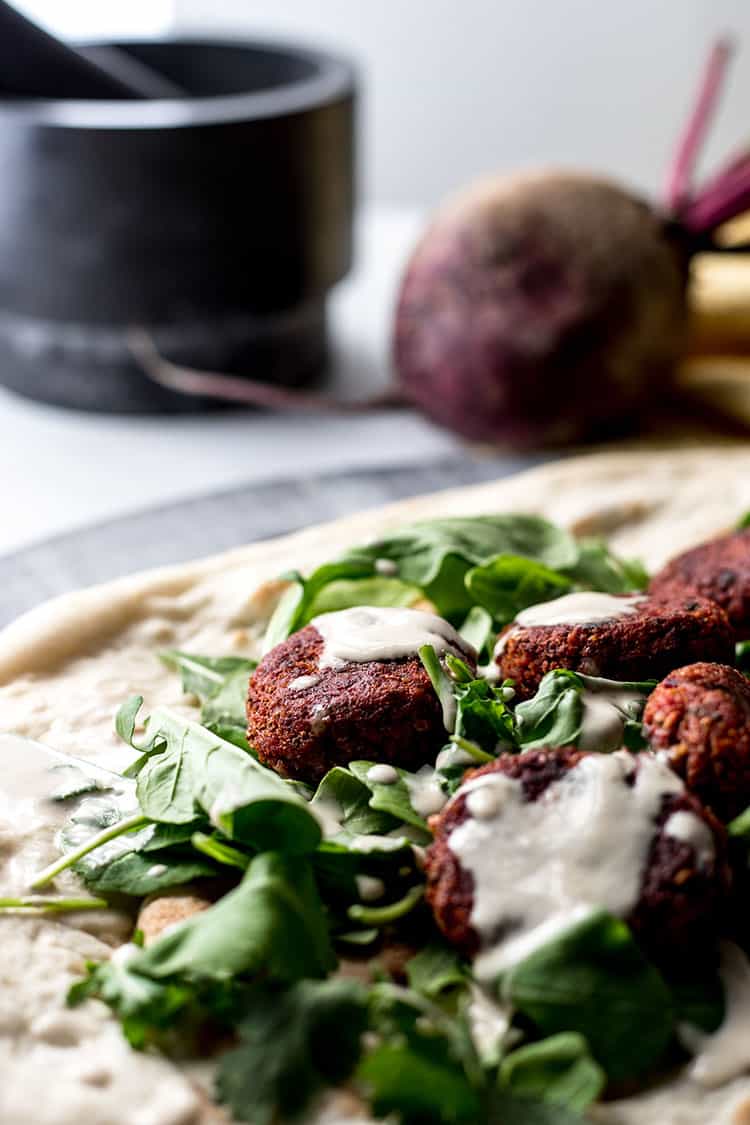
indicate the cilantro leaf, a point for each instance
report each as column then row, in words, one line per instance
column 291, row 1046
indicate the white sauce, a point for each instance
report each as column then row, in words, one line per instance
column 540, row 866
column 382, row 774
column 726, row 1053
column 585, row 608
column 690, row 829
column 453, row 756
column 369, row 888
column 606, row 707
column 489, row 1023
column 157, row 870
column 425, row 794
column 302, row 683
column 372, row 633
column 386, row 567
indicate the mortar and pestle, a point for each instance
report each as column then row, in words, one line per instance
column 198, row 190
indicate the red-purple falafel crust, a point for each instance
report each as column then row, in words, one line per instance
column 381, row 710
column 659, row 635
column 679, row 899
column 720, row 570
column 700, row 715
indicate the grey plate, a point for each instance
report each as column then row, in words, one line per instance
column 207, row 524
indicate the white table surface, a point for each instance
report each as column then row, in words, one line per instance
column 64, row 469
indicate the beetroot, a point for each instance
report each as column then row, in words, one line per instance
column 546, row 308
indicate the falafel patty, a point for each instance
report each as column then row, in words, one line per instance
column 619, row 637
column 700, row 716
column 316, row 701
column 720, row 570
column 532, row 842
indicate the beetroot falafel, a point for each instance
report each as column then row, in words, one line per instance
column 720, row 570
column 532, row 841
column 631, row 637
column 350, row 686
column 700, row 716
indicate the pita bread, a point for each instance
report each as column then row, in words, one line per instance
column 67, row 665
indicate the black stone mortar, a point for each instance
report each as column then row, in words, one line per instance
column 218, row 222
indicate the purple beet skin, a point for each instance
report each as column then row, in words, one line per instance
column 540, row 308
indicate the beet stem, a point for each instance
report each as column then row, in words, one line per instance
column 241, row 390
column 727, row 195
column 680, row 179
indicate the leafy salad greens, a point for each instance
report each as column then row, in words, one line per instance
column 287, row 868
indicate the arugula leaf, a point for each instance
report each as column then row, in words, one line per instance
column 482, row 716
column 570, row 708
column 559, row 1070
column 291, row 1046
column 509, row 583
column 435, row 969
column 593, row 979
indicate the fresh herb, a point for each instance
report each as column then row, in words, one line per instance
column 364, row 806
column 509, row 583
column 743, row 522
column 41, row 904
column 482, row 716
column 436, row 969
column 271, row 923
column 558, row 1070
column 292, row 1045
column 742, row 655
column 220, row 683
column 567, row 703
column 186, row 769
column 594, row 980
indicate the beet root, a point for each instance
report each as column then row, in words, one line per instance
column 539, row 309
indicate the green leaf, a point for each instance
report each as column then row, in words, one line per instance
column 435, row 969
column 570, row 709
column 509, row 583
column 272, row 922
column 596, row 568
column 743, row 521
column 344, row 797
column 739, row 828
column 291, row 1046
column 700, row 1001
column 227, row 707
column 193, row 770
column 393, row 798
column 742, row 655
column 508, row 1109
column 419, row 1083
column 558, row 1070
column 125, row 719
column 478, row 630
column 140, row 873
column 593, row 979
column 204, row 676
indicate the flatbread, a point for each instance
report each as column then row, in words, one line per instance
column 66, row 666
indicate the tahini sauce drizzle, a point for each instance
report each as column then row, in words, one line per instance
column 371, row 633
column 726, row 1053
column 588, row 607
column 540, row 866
